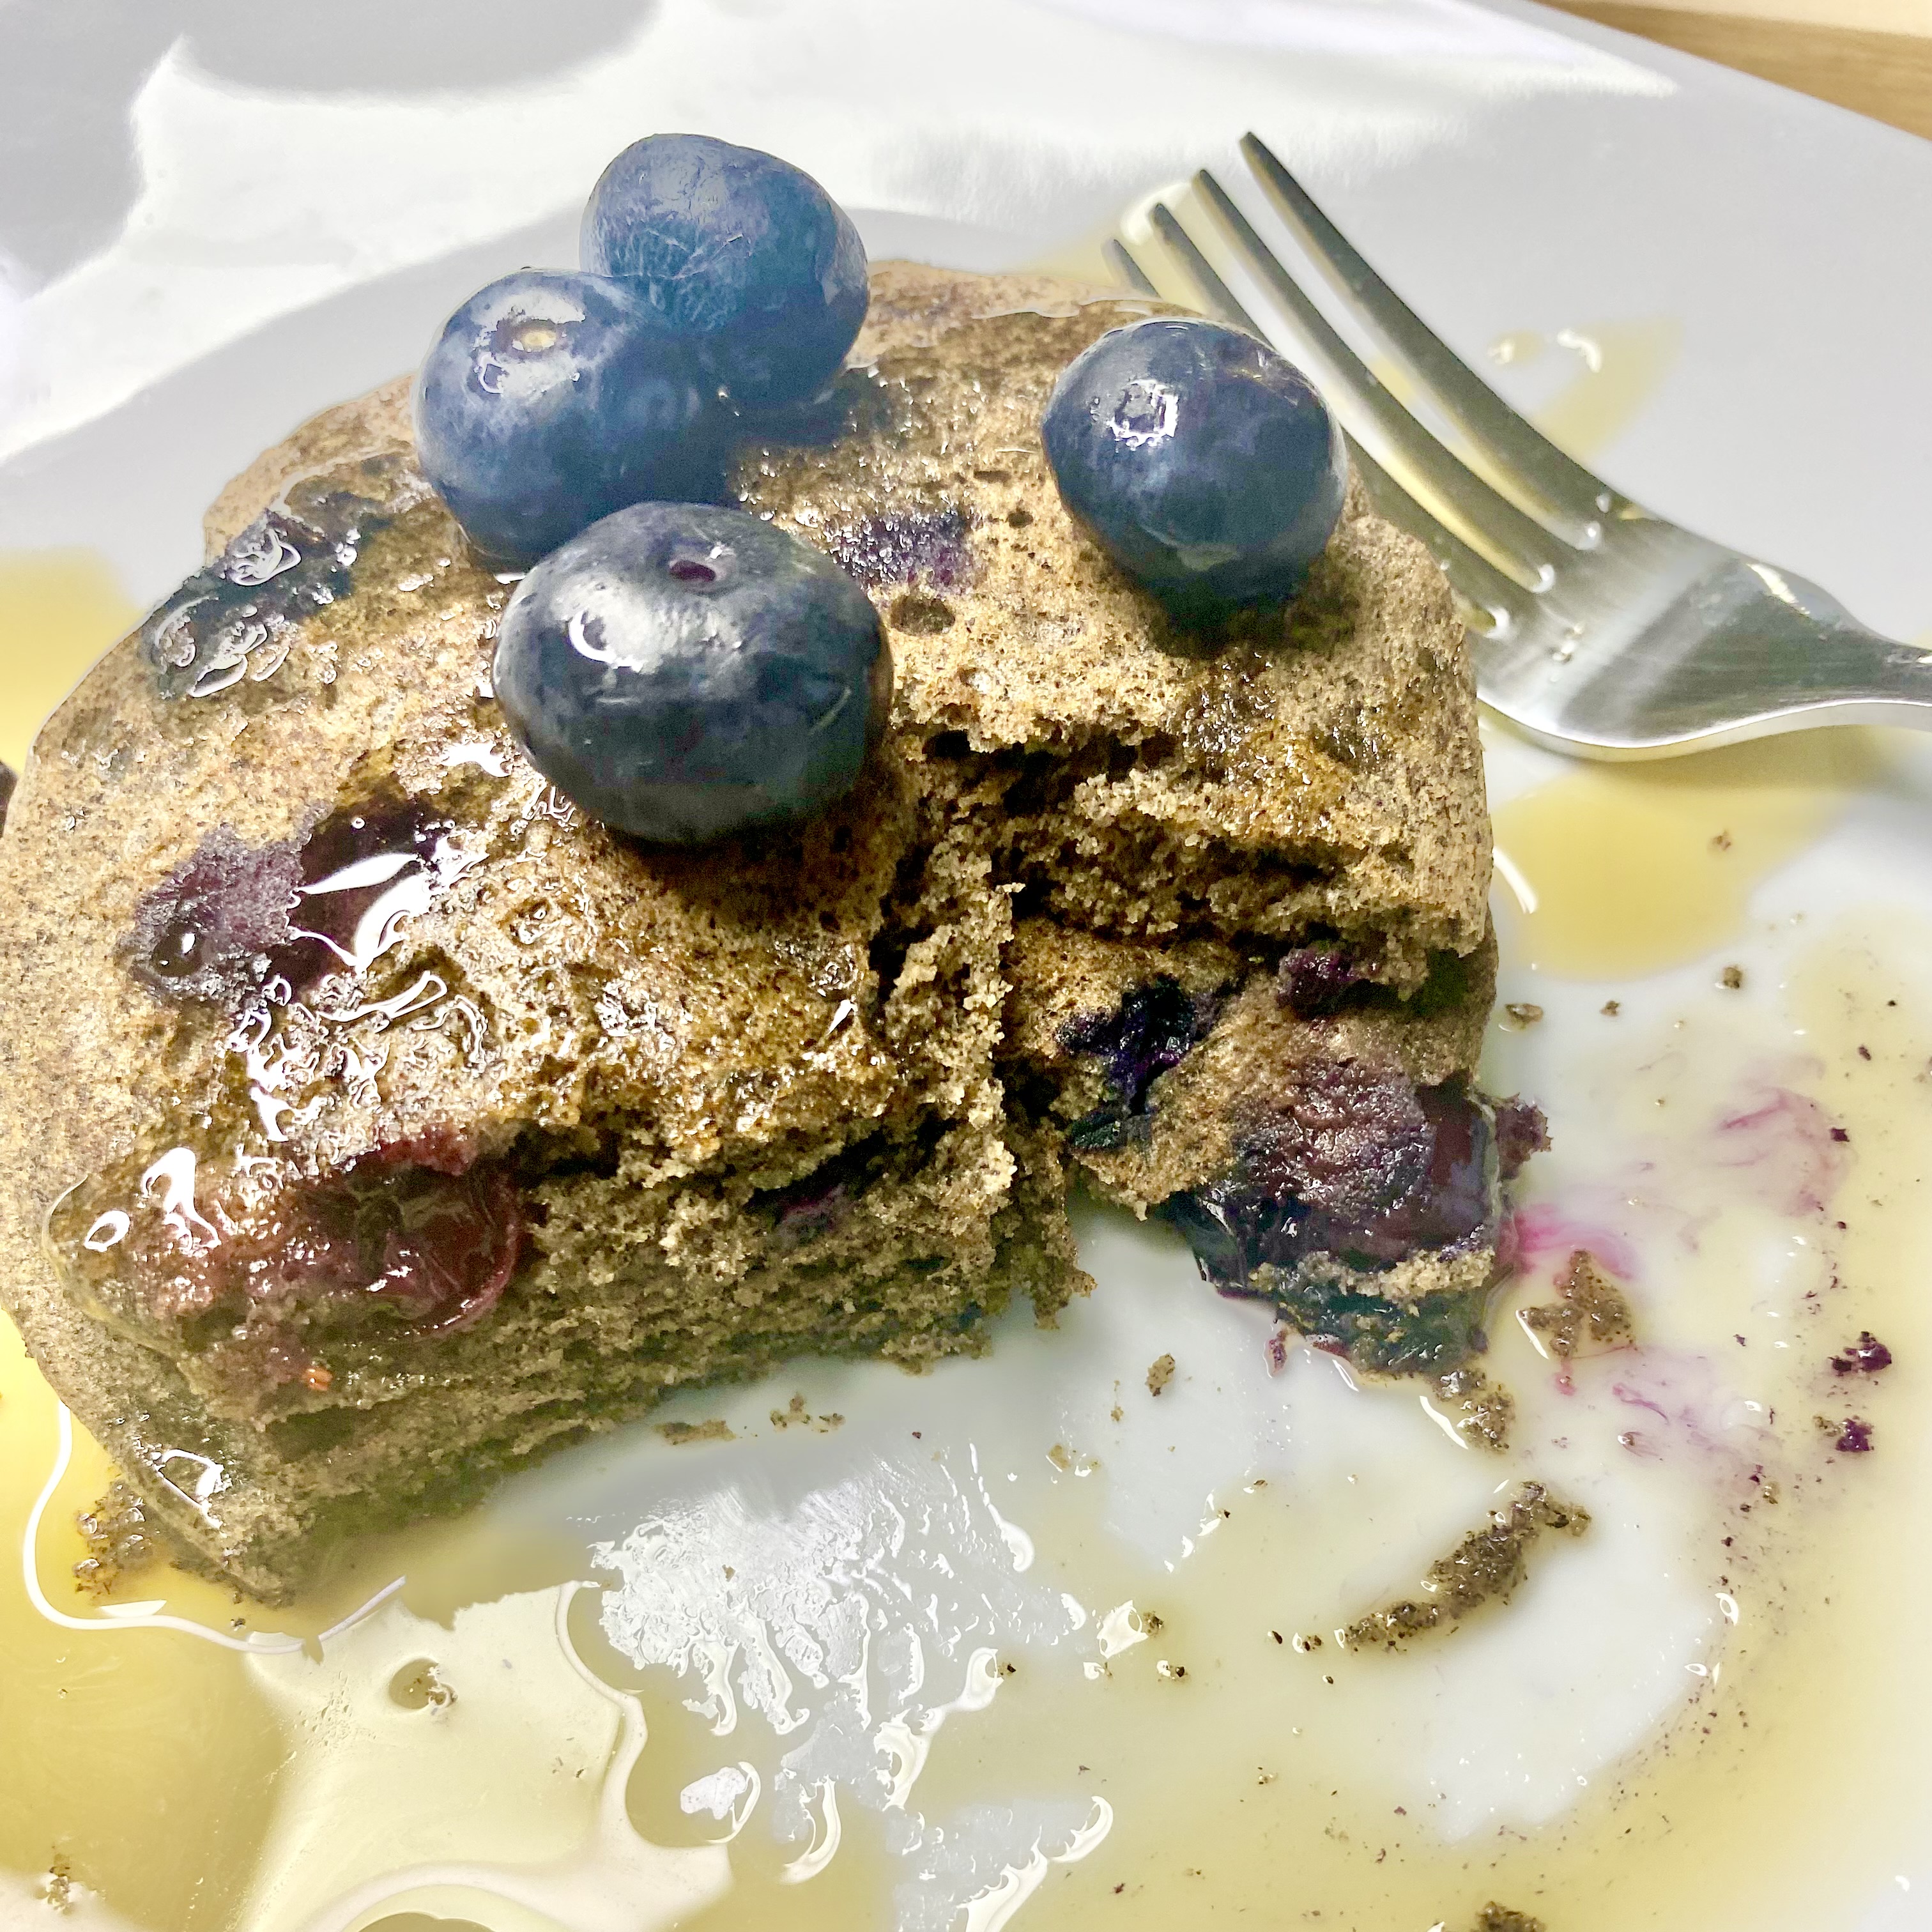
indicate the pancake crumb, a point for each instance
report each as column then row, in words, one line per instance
column 1592, row 1315
column 1480, row 1410
column 716, row 1430
column 1495, row 1918
column 1487, row 1566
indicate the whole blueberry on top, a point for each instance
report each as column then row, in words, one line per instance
column 550, row 399
column 1205, row 465
column 683, row 672
column 742, row 252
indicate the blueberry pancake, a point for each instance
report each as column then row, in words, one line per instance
column 374, row 1119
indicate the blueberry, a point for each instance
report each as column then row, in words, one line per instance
column 743, row 253
column 683, row 672
column 1204, row 463
column 550, row 399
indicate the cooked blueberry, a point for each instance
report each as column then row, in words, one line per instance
column 1204, row 463
column 1358, row 1168
column 1313, row 981
column 684, row 672
column 550, row 399
column 1152, row 1031
column 743, row 253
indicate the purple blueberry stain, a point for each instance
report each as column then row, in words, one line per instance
column 1855, row 1437
column 1865, row 1356
column 417, row 1240
column 235, row 922
column 1786, row 1144
column 210, row 930
column 893, row 547
column 426, row 1246
column 422, row 1230
column 366, row 867
column 821, row 1201
column 807, row 1215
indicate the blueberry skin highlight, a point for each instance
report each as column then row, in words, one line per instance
column 741, row 252
column 551, row 399
column 1206, row 465
column 684, row 673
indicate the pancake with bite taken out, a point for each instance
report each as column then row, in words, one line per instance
column 372, row 1121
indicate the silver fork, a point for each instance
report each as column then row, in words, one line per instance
column 1596, row 627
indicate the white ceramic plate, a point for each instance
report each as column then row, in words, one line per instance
column 784, row 1697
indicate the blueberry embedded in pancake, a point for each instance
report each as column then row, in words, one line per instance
column 1326, row 1151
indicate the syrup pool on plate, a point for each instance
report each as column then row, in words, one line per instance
column 59, row 610
column 1025, row 1642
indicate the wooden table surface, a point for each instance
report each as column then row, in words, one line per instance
column 1874, row 56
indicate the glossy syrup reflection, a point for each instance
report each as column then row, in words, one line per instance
column 101, row 1728
column 1593, row 379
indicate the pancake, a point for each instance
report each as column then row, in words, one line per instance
column 371, row 1121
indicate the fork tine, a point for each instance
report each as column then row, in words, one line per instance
column 1220, row 298
column 1562, row 481
column 1451, row 480
column 1130, row 270
column 1472, row 575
